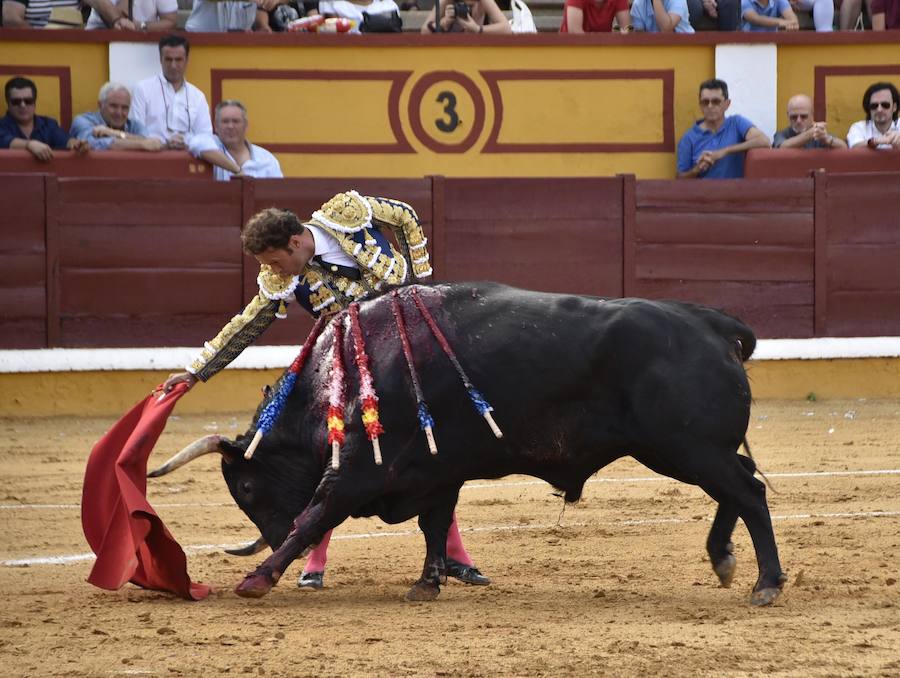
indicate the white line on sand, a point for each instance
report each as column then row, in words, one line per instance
column 205, row 548
column 502, row 484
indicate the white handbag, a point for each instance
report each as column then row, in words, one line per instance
column 522, row 21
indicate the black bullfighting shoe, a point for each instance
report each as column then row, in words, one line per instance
column 467, row 574
column 314, row 581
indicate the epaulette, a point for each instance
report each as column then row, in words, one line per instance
column 346, row 212
column 276, row 287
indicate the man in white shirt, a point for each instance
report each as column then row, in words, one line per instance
column 229, row 151
column 170, row 107
column 880, row 129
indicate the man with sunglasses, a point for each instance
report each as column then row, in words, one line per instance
column 803, row 131
column 880, row 129
column 22, row 128
column 714, row 147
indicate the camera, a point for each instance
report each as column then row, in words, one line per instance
column 462, row 10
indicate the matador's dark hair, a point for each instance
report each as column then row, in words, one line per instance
column 271, row 228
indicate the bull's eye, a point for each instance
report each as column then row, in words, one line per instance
column 245, row 487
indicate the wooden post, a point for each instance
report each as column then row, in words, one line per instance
column 51, row 251
column 820, row 249
column 629, row 235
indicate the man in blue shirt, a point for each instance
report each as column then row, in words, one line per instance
column 661, row 16
column 714, row 147
column 109, row 127
column 768, row 15
column 21, row 128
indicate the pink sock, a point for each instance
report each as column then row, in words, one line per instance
column 318, row 556
column 455, row 548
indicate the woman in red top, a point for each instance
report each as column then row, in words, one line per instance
column 594, row 16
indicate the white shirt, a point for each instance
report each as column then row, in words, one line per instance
column 862, row 131
column 165, row 112
column 329, row 249
column 142, row 10
column 220, row 17
column 262, row 164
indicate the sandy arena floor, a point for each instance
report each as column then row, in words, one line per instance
column 616, row 585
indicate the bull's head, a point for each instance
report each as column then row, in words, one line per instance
column 272, row 488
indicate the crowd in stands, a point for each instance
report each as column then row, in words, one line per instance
column 456, row 16
column 714, row 147
column 163, row 112
column 685, row 16
column 167, row 112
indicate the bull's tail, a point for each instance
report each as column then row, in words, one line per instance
column 753, row 468
column 733, row 330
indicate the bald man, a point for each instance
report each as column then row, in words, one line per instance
column 802, row 131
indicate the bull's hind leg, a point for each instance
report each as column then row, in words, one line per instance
column 434, row 524
column 731, row 483
column 718, row 544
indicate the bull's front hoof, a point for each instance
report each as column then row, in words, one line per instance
column 765, row 596
column 255, row 585
column 724, row 570
column 423, row 591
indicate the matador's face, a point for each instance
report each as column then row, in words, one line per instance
column 290, row 260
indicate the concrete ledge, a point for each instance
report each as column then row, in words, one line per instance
column 112, row 392
column 266, row 357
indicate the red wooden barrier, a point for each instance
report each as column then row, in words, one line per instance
column 745, row 246
column 776, row 162
column 160, row 268
column 23, row 261
column 85, row 263
column 862, row 257
column 117, row 164
column 559, row 235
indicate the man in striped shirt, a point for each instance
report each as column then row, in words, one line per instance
column 36, row 13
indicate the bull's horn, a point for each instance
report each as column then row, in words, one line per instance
column 196, row 449
column 250, row 549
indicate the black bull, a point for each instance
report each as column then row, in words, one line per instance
column 576, row 382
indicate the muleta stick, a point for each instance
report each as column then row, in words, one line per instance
column 272, row 410
column 484, row 408
column 424, row 416
column 336, row 393
column 366, row 385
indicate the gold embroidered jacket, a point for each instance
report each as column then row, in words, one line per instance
column 355, row 222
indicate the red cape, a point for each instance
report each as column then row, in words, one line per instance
column 131, row 542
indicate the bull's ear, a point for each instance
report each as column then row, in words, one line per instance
column 230, row 451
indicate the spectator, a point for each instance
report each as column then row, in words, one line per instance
column 660, row 16
column 169, row 107
column 726, row 13
column 221, row 16
column 822, row 13
column 885, row 14
column 714, row 147
column 109, row 128
column 146, row 15
column 595, row 16
column 850, row 15
column 478, row 12
column 229, row 151
column 802, row 131
column 21, row 128
column 768, row 15
column 36, row 13
column 880, row 128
